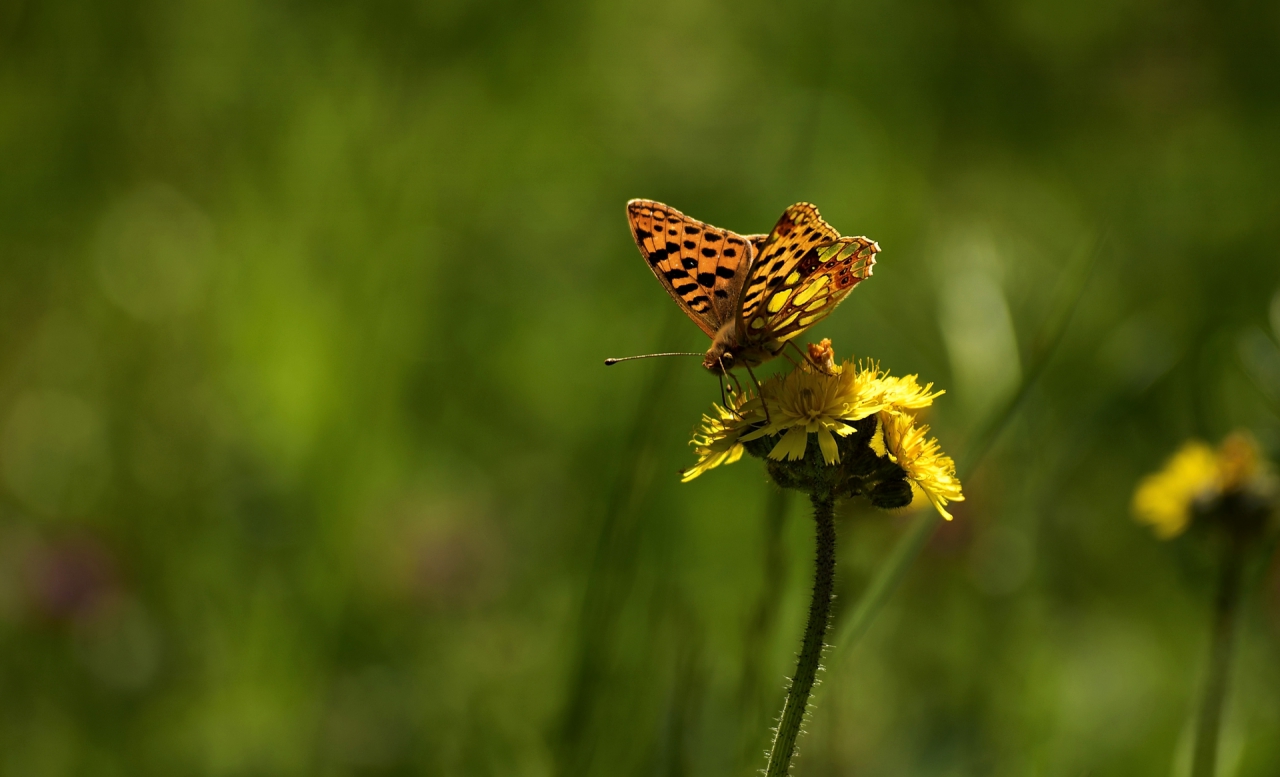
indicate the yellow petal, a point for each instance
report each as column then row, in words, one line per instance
column 827, row 442
column 791, row 446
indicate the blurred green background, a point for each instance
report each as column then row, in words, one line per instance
column 309, row 465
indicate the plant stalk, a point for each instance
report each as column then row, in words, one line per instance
column 1226, row 608
column 797, row 703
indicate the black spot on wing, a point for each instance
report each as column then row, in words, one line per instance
column 707, row 279
column 709, row 252
column 729, row 252
column 675, row 274
column 672, row 248
column 809, row 262
column 685, row 289
column 711, row 237
column 642, row 234
column 690, row 244
column 721, row 293
column 726, row 272
column 657, row 256
column 689, row 262
column 691, row 230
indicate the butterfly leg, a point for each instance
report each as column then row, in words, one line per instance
column 760, row 393
column 737, row 383
column 723, row 397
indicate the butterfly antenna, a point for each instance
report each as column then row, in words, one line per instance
column 611, row 362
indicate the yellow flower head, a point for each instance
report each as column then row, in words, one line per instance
column 1197, row 474
column 929, row 471
column 807, row 400
column 828, row 400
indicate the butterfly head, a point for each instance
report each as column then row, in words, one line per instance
column 719, row 360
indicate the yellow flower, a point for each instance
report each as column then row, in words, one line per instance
column 808, row 401
column 716, row 440
column 929, row 471
column 827, row 400
column 1197, row 473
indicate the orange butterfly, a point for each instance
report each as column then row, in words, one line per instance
column 750, row 294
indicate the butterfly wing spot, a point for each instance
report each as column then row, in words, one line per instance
column 816, row 305
column 792, row 279
column 758, row 323
column 810, row 289
column 777, row 301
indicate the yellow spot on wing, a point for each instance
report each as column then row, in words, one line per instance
column 806, row 294
column 758, row 323
column 792, row 279
column 787, row 321
column 777, row 301
column 817, row 305
column 807, row 320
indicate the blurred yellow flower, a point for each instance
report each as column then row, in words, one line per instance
column 1197, row 474
column 930, row 472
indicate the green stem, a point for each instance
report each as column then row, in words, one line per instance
column 1226, row 607
column 824, row 573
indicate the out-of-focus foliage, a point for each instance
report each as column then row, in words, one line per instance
column 309, row 465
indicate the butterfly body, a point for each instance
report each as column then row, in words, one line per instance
column 750, row 294
column 727, row 351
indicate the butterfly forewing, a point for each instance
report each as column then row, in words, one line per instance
column 702, row 267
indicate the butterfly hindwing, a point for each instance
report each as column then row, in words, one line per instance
column 803, row 269
column 817, row 283
column 702, row 267
column 797, row 235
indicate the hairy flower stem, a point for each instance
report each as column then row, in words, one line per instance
column 824, row 573
column 1226, row 606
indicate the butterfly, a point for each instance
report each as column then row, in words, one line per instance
column 750, row 293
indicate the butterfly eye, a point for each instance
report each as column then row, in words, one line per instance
column 727, row 357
